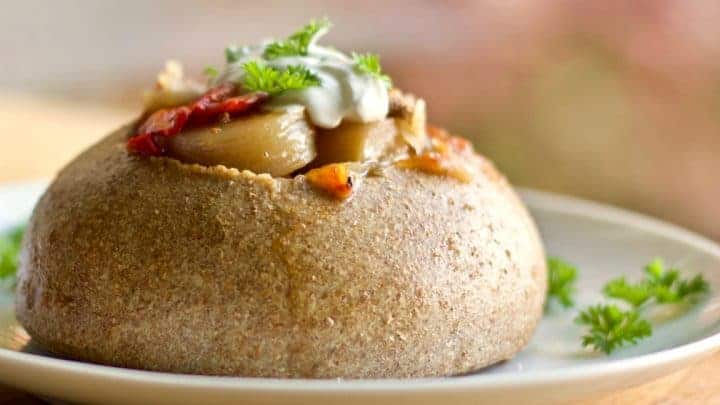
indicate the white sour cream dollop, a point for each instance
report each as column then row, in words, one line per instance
column 344, row 93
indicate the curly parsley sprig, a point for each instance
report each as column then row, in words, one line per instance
column 271, row 80
column 298, row 43
column 661, row 285
column 211, row 72
column 370, row 64
column 234, row 53
column 9, row 251
column 608, row 326
column 611, row 328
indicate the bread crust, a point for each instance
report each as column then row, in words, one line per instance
column 159, row 265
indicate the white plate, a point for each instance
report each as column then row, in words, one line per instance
column 604, row 242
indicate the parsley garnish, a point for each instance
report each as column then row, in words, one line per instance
column 297, row 44
column 233, row 53
column 633, row 294
column 211, row 72
column 370, row 64
column 273, row 81
column 561, row 281
column 9, row 251
column 611, row 328
column 262, row 74
column 660, row 284
column 696, row 285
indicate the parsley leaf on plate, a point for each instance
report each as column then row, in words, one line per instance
column 9, row 251
column 609, row 327
column 634, row 294
column 661, row 284
column 561, row 281
column 696, row 285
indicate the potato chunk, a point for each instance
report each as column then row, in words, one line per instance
column 275, row 142
column 355, row 142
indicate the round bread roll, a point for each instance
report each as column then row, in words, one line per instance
column 154, row 264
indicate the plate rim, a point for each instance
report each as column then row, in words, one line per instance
column 548, row 201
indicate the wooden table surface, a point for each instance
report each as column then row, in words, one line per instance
column 37, row 136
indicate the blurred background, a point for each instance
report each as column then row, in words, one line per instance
column 617, row 101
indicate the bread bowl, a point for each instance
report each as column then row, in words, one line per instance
column 410, row 257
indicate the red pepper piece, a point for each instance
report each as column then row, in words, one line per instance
column 208, row 102
column 144, row 145
column 218, row 101
column 166, row 123
column 161, row 124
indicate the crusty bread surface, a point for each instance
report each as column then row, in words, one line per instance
column 158, row 265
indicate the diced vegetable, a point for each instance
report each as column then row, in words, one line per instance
column 334, row 179
column 436, row 163
column 355, row 142
column 277, row 143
